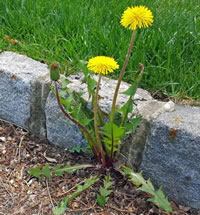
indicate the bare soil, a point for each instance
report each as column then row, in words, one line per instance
column 20, row 193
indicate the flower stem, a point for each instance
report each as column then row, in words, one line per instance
column 84, row 129
column 122, row 75
column 100, row 148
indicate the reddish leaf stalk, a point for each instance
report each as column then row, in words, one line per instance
column 84, row 129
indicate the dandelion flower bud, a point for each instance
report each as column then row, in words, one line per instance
column 54, row 72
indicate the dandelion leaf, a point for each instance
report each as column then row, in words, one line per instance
column 38, row 171
column 69, row 169
column 60, row 209
column 132, row 125
column 103, row 197
column 101, row 200
column 112, row 135
column 158, row 197
column 131, row 90
column 160, row 200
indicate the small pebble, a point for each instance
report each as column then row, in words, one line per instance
column 10, row 203
column 2, row 139
column 11, row 181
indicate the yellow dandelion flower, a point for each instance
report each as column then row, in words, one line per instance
column 102, row 65
column 138, row 16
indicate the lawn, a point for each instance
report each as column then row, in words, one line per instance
column 70, row 31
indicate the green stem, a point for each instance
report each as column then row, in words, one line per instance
column 84, row 129
column 96, row 122
column 122, row 75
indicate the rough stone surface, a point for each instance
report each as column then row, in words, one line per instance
column 60, row 130
column 23, row 91
column 172, row 154
column 132, row 148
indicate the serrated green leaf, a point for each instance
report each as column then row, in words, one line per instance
column 112, row 135
column 67, row 101
column 91, row 84
column 107, row 181
column 132, row 124
column 101, row 200
column 104, row 192
column 161, row 201
column 58, row 173
column 62, row 93
column 125, row 110
column 60, row 209
column 85, row 121
column 103, row 197
column 127, row 105
column 80, row 149
column 108, row 184
column 65, row 81
column 131, row 90
column 38, row 171
column 75, row 149
column 126, row 170
column 145, row 185
column 110, row 128
column 76, row 111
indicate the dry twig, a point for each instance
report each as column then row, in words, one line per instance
column 19, row 148
column 49, row 194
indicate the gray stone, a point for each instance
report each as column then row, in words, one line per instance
column 60, row 130
column 132, row 147
column 151, row 109
column 171, row 155
column 23, row 91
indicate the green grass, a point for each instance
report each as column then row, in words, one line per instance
column 68, row 31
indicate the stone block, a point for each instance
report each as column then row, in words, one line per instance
column 171, row 155
column 23, row 92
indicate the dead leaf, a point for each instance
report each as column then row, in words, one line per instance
column 53, row 160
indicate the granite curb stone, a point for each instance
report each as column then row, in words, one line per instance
column 23, row 92
column 171, row 154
